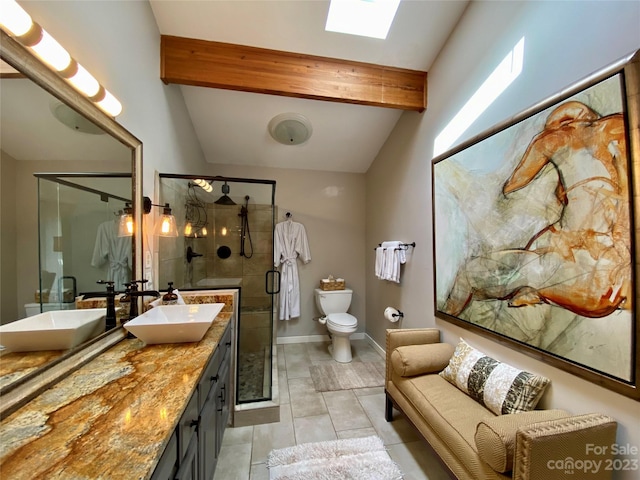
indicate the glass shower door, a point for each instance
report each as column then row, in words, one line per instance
column 226, row 241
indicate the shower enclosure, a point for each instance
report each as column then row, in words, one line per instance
column 78, row 216
column 226, row 241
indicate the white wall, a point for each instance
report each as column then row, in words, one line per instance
column 8, row 240
column 564, row 42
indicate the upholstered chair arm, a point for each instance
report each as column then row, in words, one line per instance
column 580, row 445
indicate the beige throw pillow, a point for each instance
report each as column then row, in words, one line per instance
column 499, row 387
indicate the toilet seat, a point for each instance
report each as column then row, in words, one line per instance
column 342, row 321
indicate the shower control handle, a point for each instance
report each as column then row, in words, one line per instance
column 191, row 254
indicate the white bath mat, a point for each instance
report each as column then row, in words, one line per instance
column 348, row 459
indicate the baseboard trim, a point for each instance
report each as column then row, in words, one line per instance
column 375, row 346
column 314, row 338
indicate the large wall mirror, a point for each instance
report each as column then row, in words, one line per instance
column 47, row 127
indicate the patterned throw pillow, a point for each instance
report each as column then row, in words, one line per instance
column 499, row 387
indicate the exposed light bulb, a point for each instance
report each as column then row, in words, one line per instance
column 126, row 225
column 110, row 104
column 204, row 231
column 166, row 225
column 14, row 19
column 85, row 82
column 188, row 229
column 51, row 52
column 223, row 232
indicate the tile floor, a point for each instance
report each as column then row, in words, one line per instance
column 310, row 416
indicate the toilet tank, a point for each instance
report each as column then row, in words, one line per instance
column 333, row 301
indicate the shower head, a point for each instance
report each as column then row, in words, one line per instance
column 224, row 199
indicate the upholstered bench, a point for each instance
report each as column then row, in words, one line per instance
column 478, row 414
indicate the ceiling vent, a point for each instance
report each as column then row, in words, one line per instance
column 72, row 119
column 290, row 128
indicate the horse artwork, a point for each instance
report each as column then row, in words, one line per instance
column 533, row 236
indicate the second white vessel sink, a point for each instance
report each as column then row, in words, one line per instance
column 174, row 323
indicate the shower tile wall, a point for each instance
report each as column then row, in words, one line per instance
column 255, row 330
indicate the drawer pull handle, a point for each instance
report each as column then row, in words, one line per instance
column 194, row 423
column 214, row 378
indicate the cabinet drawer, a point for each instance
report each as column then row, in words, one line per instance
column 168, row 464
column 211, row 374
column 188, row 425
column 209, row 377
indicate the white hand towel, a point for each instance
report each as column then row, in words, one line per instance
column 379, row 266
column 392, row 260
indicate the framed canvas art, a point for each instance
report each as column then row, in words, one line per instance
column 535, row 229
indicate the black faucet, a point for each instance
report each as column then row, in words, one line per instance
column 110, row 319
column 134, row 293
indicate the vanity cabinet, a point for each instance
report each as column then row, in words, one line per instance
column 192, row 452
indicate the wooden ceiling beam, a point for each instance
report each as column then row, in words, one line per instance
column 187, row 61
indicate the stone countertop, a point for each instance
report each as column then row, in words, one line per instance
column 110, row 419
column 15, row 365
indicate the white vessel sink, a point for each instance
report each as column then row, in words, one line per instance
column 54, row 330
column 174, row 323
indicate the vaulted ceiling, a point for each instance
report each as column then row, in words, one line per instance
column 232, row 93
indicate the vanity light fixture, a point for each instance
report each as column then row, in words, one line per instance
column 166, row 225
column 16, row 22
column 206, row 186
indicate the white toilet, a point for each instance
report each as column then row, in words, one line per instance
column 334, row 305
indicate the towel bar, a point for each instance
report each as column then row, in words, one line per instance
column 403, row 246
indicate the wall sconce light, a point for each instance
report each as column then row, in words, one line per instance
column 166, row 224
column 125, row 227
column 16, row 22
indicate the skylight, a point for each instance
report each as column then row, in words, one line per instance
column 504, row 74
column 367, row 18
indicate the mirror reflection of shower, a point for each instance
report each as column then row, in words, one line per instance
column 245, row 233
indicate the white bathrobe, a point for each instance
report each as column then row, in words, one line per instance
column 290, row 241
column 115, row 250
